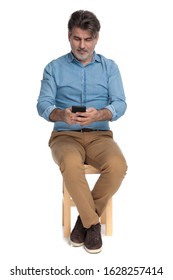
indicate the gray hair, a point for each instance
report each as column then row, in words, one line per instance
column 85, row 20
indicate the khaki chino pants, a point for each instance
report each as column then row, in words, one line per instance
column 70, row 150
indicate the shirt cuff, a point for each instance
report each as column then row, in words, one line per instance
column 112, row 109
column 47, row 112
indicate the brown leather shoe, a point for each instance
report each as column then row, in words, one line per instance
column 93, row 240
column 78, row 234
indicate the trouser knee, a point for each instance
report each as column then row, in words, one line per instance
column 116, row 166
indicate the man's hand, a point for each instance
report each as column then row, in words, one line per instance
column 83, row 118
column 91, row 115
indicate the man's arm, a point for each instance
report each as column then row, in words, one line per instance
column 57, row 115
column 104, row 115
column 62, row 116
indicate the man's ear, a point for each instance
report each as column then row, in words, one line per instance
column 97, row 37
column 69, row 35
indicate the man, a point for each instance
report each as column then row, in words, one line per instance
column 84, row 78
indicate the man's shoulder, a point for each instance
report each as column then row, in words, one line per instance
column 60, row 59
column 57, row 63
column 102, row 58
column 108, row 62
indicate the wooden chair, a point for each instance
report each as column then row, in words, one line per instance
column 67, row 203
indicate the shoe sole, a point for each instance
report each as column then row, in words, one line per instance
column 74, row 244
column 93, row 251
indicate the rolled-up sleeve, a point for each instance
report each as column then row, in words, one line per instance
column 46, row 99
column 117, row 101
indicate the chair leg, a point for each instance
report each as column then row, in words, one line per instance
column 66, row 213
column 108, row 215
column 63, row 210
column 103, row 217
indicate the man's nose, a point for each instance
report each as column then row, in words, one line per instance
column 82, row 44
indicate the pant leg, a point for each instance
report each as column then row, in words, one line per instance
column 69, row 153
column 105, row 154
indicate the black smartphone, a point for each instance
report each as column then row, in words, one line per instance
column 78, row 109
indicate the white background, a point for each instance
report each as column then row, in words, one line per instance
column 138, row 36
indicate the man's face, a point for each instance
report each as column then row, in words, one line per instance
column 82, row 44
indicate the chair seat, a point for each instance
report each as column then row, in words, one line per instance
column 67, row 203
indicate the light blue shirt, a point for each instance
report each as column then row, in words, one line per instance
column 66, row 82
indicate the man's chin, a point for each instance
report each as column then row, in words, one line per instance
column 81, row 57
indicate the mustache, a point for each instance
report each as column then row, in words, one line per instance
column 82, row 49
